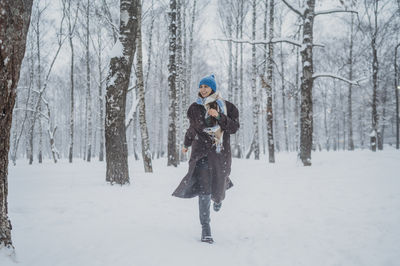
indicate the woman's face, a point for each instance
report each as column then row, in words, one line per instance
column 204, row 90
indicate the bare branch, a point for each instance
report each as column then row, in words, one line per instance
column 331, row 11
column 32, row 111
column 275, row 40
column 330, row 75
column 295, row 10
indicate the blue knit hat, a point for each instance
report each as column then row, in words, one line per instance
column 209, row 81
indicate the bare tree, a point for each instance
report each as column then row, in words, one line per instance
column 255, row 102
column 146, row 154
column 71, row 20
column 14, row 20
column 37, row 103
column 117, row 86
column 308, row 14
column 88, row 89
column 267, row 85
column 349, row 99
column 173, row 156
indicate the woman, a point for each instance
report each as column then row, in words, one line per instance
column 212, row 121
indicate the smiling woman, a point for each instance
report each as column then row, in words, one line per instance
column 212, row 120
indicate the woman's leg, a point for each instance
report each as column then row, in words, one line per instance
column 203, row 177
column 204, row 213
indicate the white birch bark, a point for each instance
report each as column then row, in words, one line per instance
column 146, row 154
column 173, row 157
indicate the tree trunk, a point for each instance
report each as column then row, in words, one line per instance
column 237, row 151
column 185, row 86
column 146, row 154
column 381, row 133
column 88, row 92
column 117, row 86
column 72, row 101
column 396, row 93
column 14, row 20
column 268, row 86
column 254, row 87
column 161, row 112
column 179, row 80
column 39, row 85
column 306, row 114
column 190, row 59
column 101, row 99
column 230, row 64
column 296, row 102
column 241, row 134
column 349, row 99
column 283, row 93
column 375, row 68
column 173, row 158
column 327, row 139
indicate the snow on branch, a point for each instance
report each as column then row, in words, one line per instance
column 275, row 40
column 291, row 41
column 331, row 11
column 331, row 75
column 298, row 11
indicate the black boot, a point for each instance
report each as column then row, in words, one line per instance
column 204, row 213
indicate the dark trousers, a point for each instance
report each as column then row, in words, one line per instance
column 203, row 176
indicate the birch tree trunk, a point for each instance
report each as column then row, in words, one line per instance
column 71, row 29
column 296, row 101
column 237, row 151
column 179, row 80
column 190, row 59
column 185, row 86
column 375, row 69
column 254, row 87
column 283, row 93
column 306, row 113
column 241, row 108
column 381, row 134
column 101, row 99
column 146, row 154
column 160, row 112
column 14, row 20
column 88, row 90
column 268, row 86
column 117, row 86
column 173, row 157
column 39, row 83
column 349, row 99
column 72, row 101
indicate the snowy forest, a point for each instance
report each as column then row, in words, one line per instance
column 111, row 81
column 337, row 95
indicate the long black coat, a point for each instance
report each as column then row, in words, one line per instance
column 219, row 164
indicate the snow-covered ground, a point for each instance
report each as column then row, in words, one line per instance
column 344, row 210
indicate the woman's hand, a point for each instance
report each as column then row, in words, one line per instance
column 213, row 112
column 184, row 150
